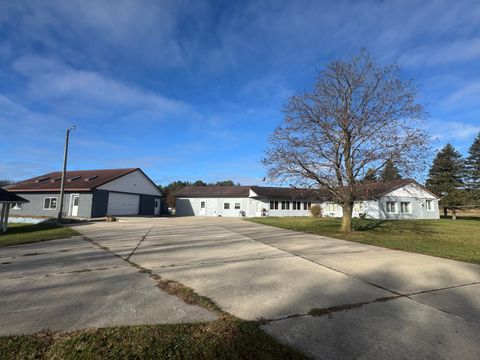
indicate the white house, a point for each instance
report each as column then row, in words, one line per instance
column 401, row 199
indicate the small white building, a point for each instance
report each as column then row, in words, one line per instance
column 401, row 199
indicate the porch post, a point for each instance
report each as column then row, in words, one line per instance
column 7, row 212
column 2, row 217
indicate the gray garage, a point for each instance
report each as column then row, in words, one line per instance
column 89, row 194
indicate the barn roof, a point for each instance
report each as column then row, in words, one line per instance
column 80, row 180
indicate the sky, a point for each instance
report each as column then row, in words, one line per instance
column 191, row 90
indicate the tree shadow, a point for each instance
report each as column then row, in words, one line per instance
column 28, row 228
column 365, row 225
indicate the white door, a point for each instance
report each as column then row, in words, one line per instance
column 123, row 204
column 203, row 208
column 74, row 200
column 157, row 207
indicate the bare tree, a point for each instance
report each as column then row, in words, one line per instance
column 358, row 116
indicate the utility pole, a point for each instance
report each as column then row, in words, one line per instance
column 62, row 185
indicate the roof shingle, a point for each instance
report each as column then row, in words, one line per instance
column 81, row 180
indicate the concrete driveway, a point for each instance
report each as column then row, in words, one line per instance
column 381, row 303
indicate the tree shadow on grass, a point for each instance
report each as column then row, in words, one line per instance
column 28, row 228
column 365, row 225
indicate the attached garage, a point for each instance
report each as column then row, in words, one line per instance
column 123, row 204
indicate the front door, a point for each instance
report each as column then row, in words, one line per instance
column 75, row 199
column 157, row 207
column 203, row 208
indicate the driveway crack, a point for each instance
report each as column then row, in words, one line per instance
column 139, row 243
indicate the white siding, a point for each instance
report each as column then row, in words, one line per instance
column 251, row 207
column 135, row 183
column 373, row 209
column 411, row 190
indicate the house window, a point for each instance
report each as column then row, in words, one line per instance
column 237, row 206
column 226, row 206
column 358, row 207
column 17, row 206
column 405, row 207
column 50, row 203
column 331, row 207
column 307, row 205
column 391, row 207
column 429, row 205
column 297, row 205
column 285, row 205
column 274, row 205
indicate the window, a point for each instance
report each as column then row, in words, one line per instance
column 237, row 206
column 331, row 207
column 50, row 203
column 307, row 205
column 297, row 205
column 429, row 205
column 391, row 207
column 358, row 206
column 202, row 205
column 285, row 205
column 405, row 207
column 17, row 206
column 274, row 205
column 226, row 206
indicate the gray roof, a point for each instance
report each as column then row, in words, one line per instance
column 8, row 197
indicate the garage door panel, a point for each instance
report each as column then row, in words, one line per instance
column 123, row 204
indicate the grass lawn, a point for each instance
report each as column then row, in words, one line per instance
column 226, row 338
column 453, row 239
column 27, row 233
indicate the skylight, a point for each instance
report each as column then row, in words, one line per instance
column 74, row 178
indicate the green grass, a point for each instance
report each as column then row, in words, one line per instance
column 26, row 233
column 453, row 239
column 226, row 338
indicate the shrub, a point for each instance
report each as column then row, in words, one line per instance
column 316, row 210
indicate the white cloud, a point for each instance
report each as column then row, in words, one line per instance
column 454, row 131
column 80, row 90
column 444, row 53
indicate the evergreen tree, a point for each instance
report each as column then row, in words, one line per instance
column 390, row 172
column 472, row 164
column 445, row 178
column 370, row 176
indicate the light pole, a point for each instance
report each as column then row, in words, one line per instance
column 62, row 185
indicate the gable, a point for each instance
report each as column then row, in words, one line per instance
column 135, row 182
column 411, row 190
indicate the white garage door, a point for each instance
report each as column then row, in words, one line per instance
column 123, row 204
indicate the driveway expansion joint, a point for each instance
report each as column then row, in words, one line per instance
column 174, row 288
column 139, row 243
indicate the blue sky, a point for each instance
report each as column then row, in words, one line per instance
column 192, row 89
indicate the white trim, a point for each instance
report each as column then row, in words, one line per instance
column 432, row 205
column 408, row 207
column 394, row 207
column 50, row 202
column 70, row 208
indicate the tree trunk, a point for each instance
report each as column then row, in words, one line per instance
column 347, row 218
column 445, row 213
